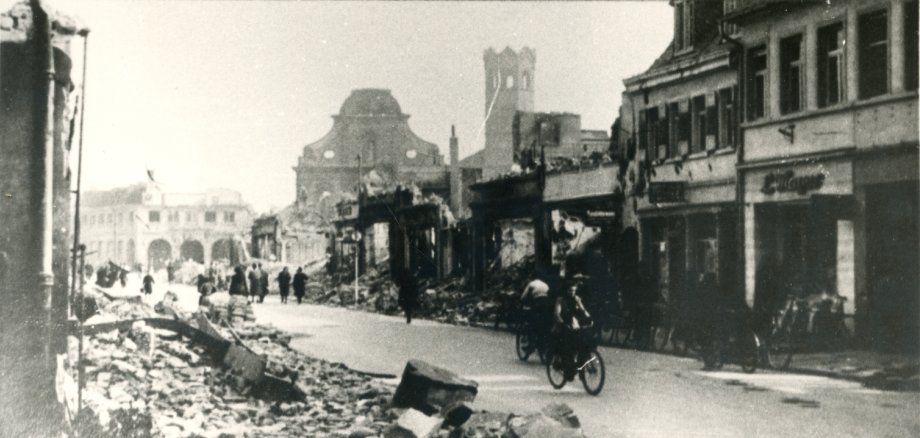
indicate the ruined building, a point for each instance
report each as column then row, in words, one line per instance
column 370, row 136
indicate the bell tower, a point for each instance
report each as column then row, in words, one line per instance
column 509, row 88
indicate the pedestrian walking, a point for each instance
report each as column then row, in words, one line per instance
column 300, row 284
column 263, row 283
column 254, row 278
column 170, row 272
column 123, row 278
column 284, row 284
column 238, row 282
column 148, row 284
column 408, row 293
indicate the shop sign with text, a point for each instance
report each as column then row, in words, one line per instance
column 788, row 181
column 662, row 192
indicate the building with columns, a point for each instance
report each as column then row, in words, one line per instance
column 141, row 224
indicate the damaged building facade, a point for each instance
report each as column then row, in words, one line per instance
column 775, row 145
column 36, row 118
column 141, row 224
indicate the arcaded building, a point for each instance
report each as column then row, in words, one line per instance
column 141, row 224
column 370, row 136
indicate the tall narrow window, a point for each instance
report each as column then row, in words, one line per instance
column 873, row 54
column 910, row 45
column 831, row 79
column 684, row 128
column 757, row 82
column 790, row 76
column 673, row 121
column 678, row 25
column 727, row 121
column 698, row 121
column 662, row 131
column 643, row 130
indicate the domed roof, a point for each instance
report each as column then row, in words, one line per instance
column 370, row 102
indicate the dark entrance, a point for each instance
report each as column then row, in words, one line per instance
column 192, row 250
column 892, row 264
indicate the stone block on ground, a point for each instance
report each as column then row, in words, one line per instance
column 413, row 424
column 144, row 338
column 541, row 426
column 457, row 414
column 562, row 413
column 430, row 389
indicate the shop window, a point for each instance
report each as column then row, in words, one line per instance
column 873, row 54
column 831, row 70
column 727, row 121
column 698, row 122
column 910, row 45
column 153, row 216
column 210, row 216
column 790, row 75
column 757, row 82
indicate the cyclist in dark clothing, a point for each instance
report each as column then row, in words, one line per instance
column 570, row 316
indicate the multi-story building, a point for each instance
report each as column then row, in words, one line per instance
column 141, row 224
column 370, row 136
column 829, row 167
column 680, row 119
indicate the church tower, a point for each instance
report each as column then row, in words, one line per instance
column 509, row 88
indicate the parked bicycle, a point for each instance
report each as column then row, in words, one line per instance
column 800, row 325
column 586, row 362
column 732, row 339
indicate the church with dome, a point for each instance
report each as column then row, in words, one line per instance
column 370, row 136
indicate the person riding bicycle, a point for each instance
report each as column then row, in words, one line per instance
column 538, row 306
column 570, row 315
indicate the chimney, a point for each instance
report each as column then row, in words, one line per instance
column 456, row 182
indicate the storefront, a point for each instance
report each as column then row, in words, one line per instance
column 689, row 228
column 888, row 290
column 799, row 232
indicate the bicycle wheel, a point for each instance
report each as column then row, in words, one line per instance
column 522, row 346
column 749, row 349
column 593, row 373
column 555, row 370
column 780, row 348
column 712, row 355
column 661, row 337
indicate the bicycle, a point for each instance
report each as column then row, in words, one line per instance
column 587, row 363
column 526, row 342
column 787, row 332
column 738, row 342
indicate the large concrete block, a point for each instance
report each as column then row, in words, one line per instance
column 430, row 389
column 413, row 424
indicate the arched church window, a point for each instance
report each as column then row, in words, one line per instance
column 509, row 82
column 525, row 81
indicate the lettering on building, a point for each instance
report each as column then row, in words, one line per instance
column 661, row 192
column 780, row 182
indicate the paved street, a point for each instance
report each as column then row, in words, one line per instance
column 645, row 395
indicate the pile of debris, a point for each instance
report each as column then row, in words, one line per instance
column 446, row 301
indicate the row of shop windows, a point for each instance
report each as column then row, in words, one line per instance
column 702, row 123
column 873, row 53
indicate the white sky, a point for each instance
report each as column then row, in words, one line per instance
column 227, row 93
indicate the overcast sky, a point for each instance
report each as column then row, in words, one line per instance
column 227, row 93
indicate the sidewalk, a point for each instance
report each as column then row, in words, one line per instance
column 895, row 372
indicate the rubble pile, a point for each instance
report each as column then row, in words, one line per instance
column 446, row 302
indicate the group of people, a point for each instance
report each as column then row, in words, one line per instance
column 254, row 283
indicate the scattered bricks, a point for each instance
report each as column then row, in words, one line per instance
column 143, row 337
column 429, row 388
